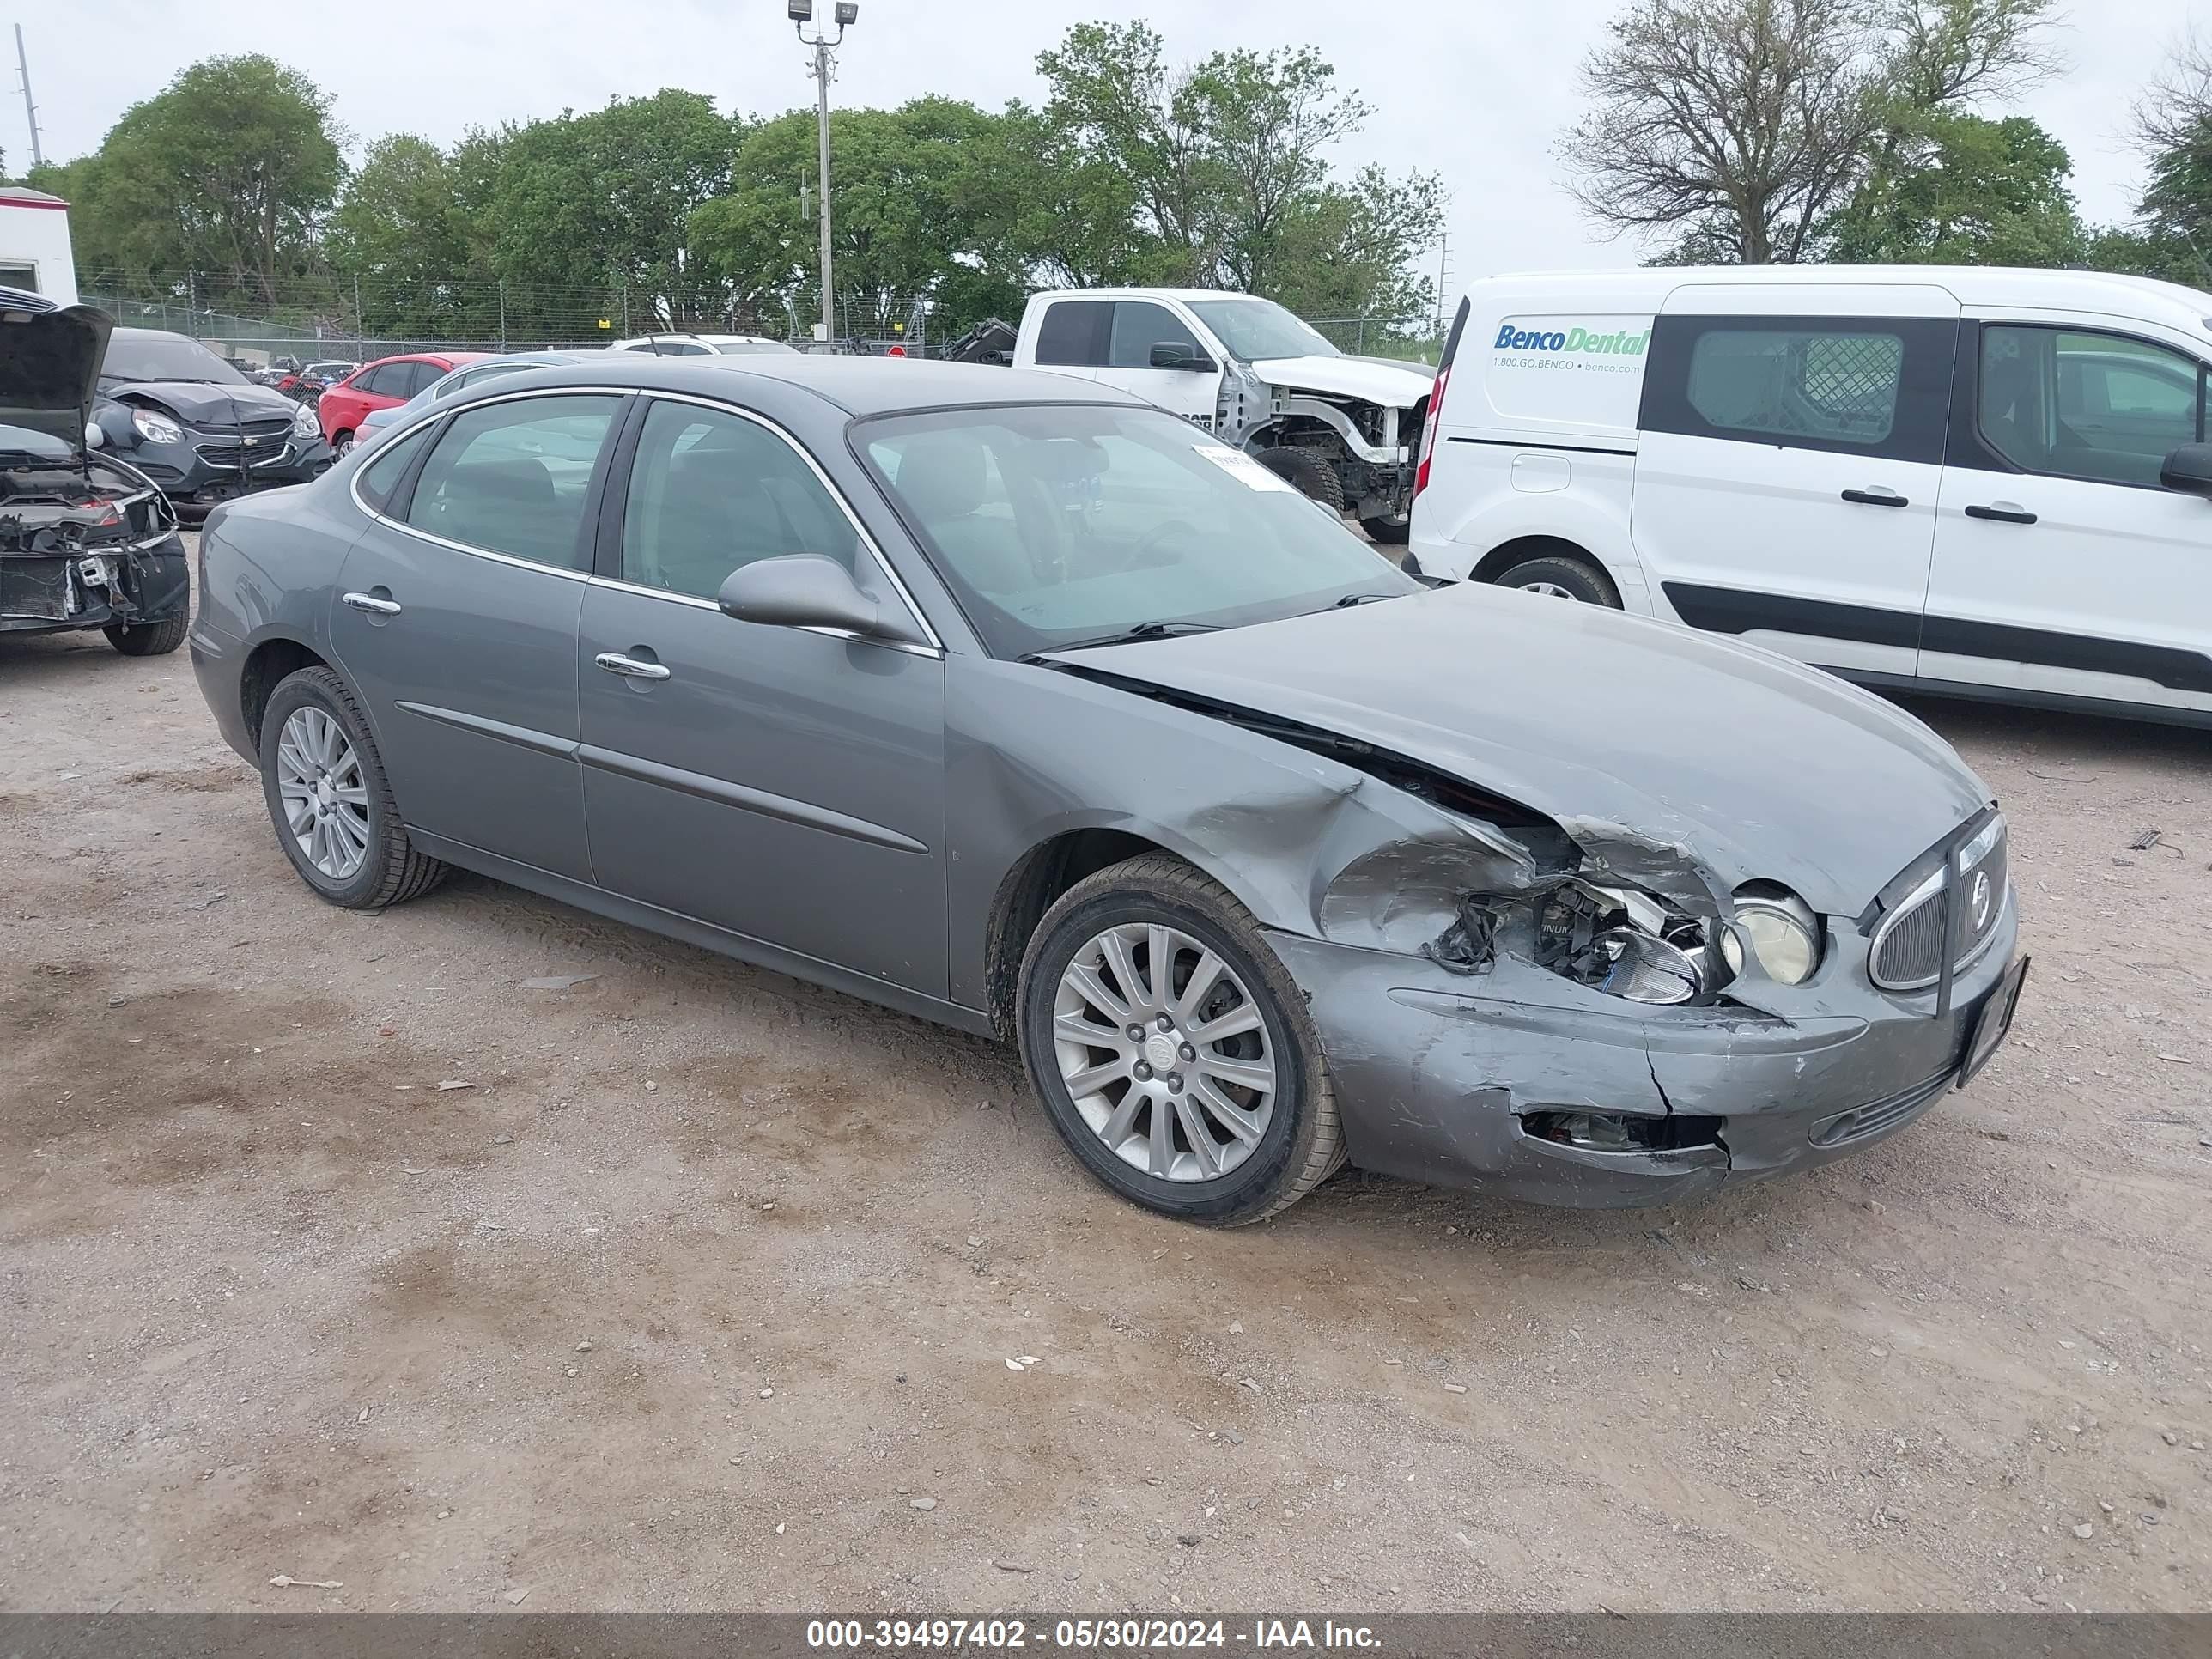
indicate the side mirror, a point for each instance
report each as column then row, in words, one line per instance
column 804, row 590
column 2189, row 469
column 1174, row 353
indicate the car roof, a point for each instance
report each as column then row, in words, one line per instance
column 859, row 386
column 1148, row 293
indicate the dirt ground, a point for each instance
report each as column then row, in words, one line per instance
column 702, row 1293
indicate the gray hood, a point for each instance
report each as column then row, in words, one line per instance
column 49, row 360
column 1758, row 768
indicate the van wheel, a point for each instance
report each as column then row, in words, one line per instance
column 1563, row 577
column 1306, row 472
column 1172, row 1049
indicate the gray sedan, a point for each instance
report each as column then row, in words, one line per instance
column 1011, row 702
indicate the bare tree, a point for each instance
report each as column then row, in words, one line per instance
column 1946, row 53
column 2176, row 109
column 1743, row 120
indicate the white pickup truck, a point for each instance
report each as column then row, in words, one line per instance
column 1344, row 429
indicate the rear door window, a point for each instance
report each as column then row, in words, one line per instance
column 1858, row 385
column 1074, row 333
column 512, row 477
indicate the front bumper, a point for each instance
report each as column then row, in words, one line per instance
column 123, row 586
column 1436, row 1072
column 206, row 466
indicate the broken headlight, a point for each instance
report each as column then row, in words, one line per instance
column 1777, row 930
column 156, row 429
column 1627, row 943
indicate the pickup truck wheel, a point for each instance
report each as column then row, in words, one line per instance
column 148, row 639
column 1563, row 577
column 1171, row 1048
column 1390, row 533
column 1306, row 472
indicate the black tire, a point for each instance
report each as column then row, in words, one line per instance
column 393, row 871
column 1577, row 579
column 1306, row 472
column 148, row 639
column 342, row 445
column 1389, row 532
column 1303, row 1144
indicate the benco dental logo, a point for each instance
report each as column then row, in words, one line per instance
column 1625, row 342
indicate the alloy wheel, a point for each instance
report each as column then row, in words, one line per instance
column 1549, row 590
column 1164, row 1052
column 318, row 779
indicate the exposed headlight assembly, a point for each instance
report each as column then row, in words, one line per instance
column 1625, row 943
column 1777, row 930
column 156, row 429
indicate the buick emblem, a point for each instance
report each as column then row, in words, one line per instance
column 1980, row 901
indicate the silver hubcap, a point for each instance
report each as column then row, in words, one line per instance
column 325, row 801
column 1549, row 590
column 1164, row 1052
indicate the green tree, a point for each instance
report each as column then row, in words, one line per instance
column 1964, row 189
column 400, row 238
column 227, row 173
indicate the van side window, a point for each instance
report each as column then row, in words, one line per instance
column 1073, row 334
column 2080, row 404
column 1875, row 386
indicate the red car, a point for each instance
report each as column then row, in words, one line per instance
column 383, row 384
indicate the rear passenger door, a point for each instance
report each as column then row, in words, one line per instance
column 1789, row 464
column 783, row 784
column 2061, row 566
column 1073, row 336
column 456, row 615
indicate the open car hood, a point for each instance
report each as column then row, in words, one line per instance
column 1371, row 379
column 1624, row 730
column 49, row 364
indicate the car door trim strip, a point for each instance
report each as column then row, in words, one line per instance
column 1736, row 611
column 725, row 793
column 521, row 737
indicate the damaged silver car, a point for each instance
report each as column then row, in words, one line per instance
column 1016, row 704
column 86, row 541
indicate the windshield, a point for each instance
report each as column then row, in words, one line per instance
column 133, row 355
column 1058, row 524
column 1257, row 330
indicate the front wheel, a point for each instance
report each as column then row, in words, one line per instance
column 330, row 800
column 147, row 639
column 1389, row 531
column 1562, row 576
column 1308, row 473
column 1171, row 1048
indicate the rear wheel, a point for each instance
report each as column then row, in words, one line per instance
column 342, row 445
column 1563, row 576
column 1389, row 532
column 329, row 800
column 1309, row 474
column 148, row 639
column 1171, row 1048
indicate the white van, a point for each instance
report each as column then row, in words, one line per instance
column 1987, row 483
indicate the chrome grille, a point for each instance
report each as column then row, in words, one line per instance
column 1909, row 945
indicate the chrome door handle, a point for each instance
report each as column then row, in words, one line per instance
column 370, row 604
column 629, row 667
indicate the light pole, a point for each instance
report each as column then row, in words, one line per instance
column 801, row 13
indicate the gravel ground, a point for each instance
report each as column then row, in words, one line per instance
column 702, row 1293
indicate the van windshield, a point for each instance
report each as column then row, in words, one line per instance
column 1065, row 525
column 1257, row 330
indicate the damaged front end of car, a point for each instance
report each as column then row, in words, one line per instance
column 86, row 541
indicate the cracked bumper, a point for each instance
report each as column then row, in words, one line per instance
column 1434, row 1071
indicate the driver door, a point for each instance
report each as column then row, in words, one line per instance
column 1138, row 325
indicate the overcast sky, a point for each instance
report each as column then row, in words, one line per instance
column 1477, row 90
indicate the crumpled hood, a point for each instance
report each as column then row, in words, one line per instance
column 48, row 360
column 198, row 404
column 1373, row 380
column 1760, row 768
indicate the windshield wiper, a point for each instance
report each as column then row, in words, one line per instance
column 1144, row 630
column 1361, row 599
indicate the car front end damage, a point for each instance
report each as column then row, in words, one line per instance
column 1527, row 1022
column 95, row 547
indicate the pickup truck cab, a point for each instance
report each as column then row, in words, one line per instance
column 1342, row 428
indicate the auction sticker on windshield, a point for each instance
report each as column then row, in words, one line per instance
column 1238, row 464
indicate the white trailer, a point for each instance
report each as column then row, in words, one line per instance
column 34, row 244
